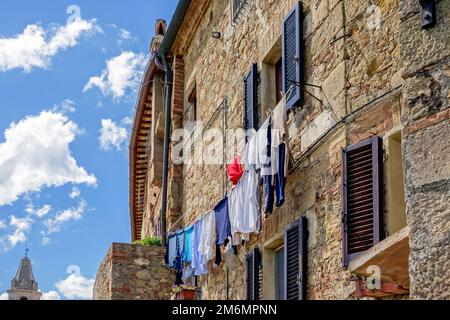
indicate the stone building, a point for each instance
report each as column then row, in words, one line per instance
column 368, row 188
column 24, row 286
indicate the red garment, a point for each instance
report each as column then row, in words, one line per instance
column 235, row 171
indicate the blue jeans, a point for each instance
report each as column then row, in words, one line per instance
column 279, row 187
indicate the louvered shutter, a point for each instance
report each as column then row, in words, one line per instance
column 251, row 104
column 295, row 255
column 254, row 274
column 362, row 197
column 292, row 56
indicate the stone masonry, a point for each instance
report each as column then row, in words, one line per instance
column 133, row 272
column 390, row 79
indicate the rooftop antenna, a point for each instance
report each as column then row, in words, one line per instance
column 26, row 250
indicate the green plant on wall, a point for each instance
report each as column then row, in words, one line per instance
column 150, row 241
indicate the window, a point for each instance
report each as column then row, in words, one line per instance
column 271, row 77
column 279, row 274
column 362, row 198
column 292, row 49
column 236, row 8
column 254, row 275
column 252, row 114
column 295, row 255
column 395, row 204
column 278, row 80
column 190, row 114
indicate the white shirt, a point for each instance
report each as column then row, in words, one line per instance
column 244, row 207
column 205, row 246
column 262, row 142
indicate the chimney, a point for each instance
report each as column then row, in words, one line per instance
column 160, row 31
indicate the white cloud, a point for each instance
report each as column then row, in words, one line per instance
column 19, row 229
column 2, row 224
column 122, row 73
column 112, row 135
column 54, row 224
column 75, row 193
column 35, row 46
column 36, row 154
column 75, row 286
column 67, row 106
column 125, row 35
column 51, row 295
column 39, row 212
column 4, row 296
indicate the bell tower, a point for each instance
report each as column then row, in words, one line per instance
column 24, row 286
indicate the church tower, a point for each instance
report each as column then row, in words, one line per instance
column 23, row 286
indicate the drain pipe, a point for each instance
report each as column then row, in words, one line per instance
column 167, row 124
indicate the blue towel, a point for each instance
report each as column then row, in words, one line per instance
column 188, row 244
column 172, row 250
column 223, row 226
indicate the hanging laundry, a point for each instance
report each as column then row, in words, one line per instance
column 188, row 244
column 198, row 260
column 279, row 151
column 263, row 138
column 223, row 227
column 207, row 237
column 244, row 207
column 180, row 247
column 171, row 250
column 250, row 158
column 234, row 171
column 280, row 178
column 265, row 160
column 279, row 135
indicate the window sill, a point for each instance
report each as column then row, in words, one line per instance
column 390, row 255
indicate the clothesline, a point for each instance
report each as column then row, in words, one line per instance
column 228, row 193
column 238, row 214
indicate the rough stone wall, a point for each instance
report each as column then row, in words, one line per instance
column 353, row 71
column 132, row 272
column 425, row 118
column 391, row 77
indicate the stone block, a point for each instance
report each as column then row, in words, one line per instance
column 335, row 82
column 427, row 155
column 316, row 128
column 423, row 47
column 133, row 272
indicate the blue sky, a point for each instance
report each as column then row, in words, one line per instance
column 68, row 92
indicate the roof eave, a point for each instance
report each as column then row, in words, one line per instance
column 140, row 105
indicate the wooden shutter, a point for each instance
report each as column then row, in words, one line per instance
column 251, row 105
column 295, row 255
column 254, row 275
column 292, row 55
column 362, row 197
